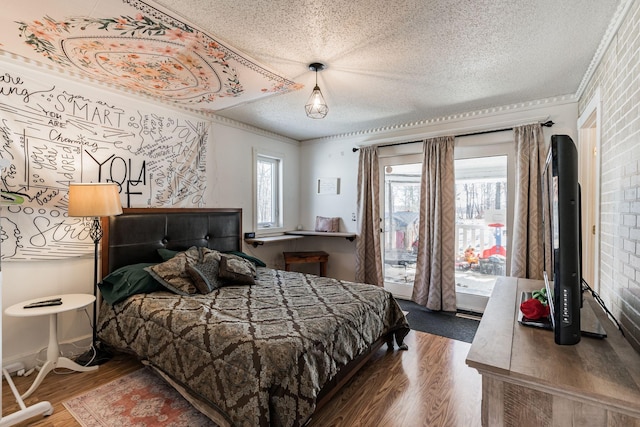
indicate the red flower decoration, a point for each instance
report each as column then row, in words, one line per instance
column 533, row 309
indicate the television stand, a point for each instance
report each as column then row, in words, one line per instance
column 529, row 380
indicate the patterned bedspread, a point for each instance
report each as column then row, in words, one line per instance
column 258, row 354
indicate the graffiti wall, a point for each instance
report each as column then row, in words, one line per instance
column 54, row 132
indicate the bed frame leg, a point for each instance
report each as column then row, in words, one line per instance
column 389, row 340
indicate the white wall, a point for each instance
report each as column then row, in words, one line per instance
column 230, row 170
column 333, row 157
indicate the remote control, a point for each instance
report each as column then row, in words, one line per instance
column 43, row 304
column 47, row 300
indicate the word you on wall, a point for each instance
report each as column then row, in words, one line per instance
column 53, row 136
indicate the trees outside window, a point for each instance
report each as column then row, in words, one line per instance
column 268, row 191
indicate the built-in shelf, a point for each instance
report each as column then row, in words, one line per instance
column 348, row 236
column 271, row 239
column 298, row 234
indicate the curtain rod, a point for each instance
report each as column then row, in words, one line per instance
column 547, row 124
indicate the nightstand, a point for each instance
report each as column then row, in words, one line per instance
column 54, row 360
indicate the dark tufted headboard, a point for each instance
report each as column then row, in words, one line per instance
column 137, row 234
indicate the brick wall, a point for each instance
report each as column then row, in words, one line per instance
column 618, row 77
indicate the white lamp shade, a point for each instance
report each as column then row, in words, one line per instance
column 94, row 199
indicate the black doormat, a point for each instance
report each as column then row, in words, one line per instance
column 441, row 323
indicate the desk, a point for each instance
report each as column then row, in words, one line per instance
column 528, row 380
column 69, row 302
column 307, row 257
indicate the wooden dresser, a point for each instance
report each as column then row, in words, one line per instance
column 528, row 380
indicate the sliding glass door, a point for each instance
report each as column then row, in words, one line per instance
column 484, row 208
column 485, row 188
column 400, row 215
column 481, row 228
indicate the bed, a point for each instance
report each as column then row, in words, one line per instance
column 267, row 353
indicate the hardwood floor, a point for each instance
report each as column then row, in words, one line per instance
column 428, row 385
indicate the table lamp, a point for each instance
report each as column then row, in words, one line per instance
column 94, row 200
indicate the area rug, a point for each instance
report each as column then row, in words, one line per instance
column 450, row 325
column 140, row 399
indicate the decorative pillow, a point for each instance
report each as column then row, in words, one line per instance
column 236, row 271
column 172, row 274
column 251, row 266
column 204, row 272
column 257, row 262
column 167, row 254
column 126, row 281
column 331, row 225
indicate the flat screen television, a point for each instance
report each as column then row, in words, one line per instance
column 562, row 244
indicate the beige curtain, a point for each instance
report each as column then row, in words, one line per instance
column 434, row 285
column 526, row 248
column 368, row 253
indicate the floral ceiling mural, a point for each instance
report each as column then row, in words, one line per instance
column 136, row 45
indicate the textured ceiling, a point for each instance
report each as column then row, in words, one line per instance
column 389, row 62
column 396, row 62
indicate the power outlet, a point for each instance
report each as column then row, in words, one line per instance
column 353, row 216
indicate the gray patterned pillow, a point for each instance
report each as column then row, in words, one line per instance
column 172, row 274
column 236, row 271
column 204, row 272
column 249, row 264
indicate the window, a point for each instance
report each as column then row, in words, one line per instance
column 268, row 191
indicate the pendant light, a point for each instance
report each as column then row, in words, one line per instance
column 316, row 107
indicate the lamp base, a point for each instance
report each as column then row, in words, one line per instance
column 94, row 356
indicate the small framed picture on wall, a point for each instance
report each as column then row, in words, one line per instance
column 329, row 186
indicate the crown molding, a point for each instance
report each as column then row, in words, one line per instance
column 249, row 128
column 618, row 17
column 449, row 124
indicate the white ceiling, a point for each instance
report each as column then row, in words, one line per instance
column 390, row 62
column 395, row 62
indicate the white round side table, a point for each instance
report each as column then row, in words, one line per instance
column 54, row 360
